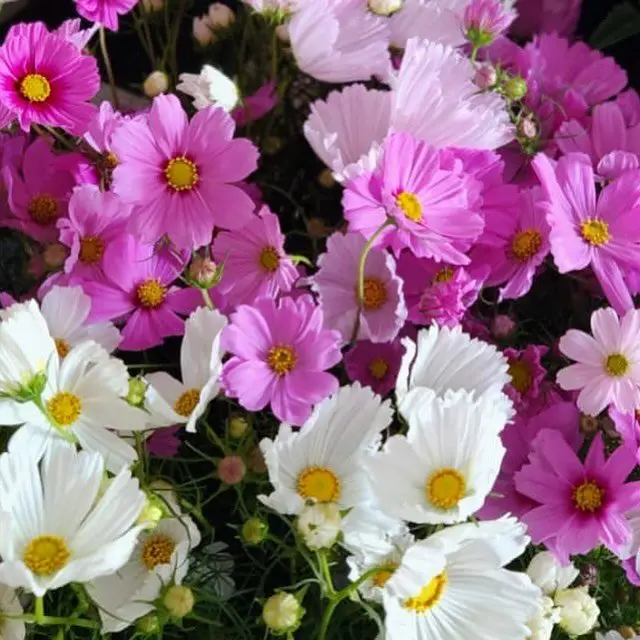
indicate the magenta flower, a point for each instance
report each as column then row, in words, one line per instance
column 607, row 369
column 256, row 105
column 485, row 20
column 374, row 365
column 137, row 283
column 38, row 191
column 164, row 443
column 101, row 129
column 428, row 205
column 627, row 425
column 383, row 309
column 96, row 219
column 71, row 31
column 178, row 174
column 280, row 354
column 527, row 373
column 579, row 505
column 547, row 16
column 602, row 233
column 104, row 12
column 46, row 80
column 255, row 263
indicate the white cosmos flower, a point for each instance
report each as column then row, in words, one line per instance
column 548, row 574
column 200, row 363
column 209, row 87
column 452, row 585
column 449, row 360
column 323, row 460
column 161, row 557
column 542, row 623
column 83, row 396
column 60, row 524
column 446, row 465
column 10, row 606
column 66, row 310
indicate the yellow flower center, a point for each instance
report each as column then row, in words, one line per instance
column 616, row 365
column 151, row 293
column 43, row 209
column 269, row 259
column 595, row 232
column 526, row 244
column 521, row 376
column 35, row 87
column 62, row 347
column 378, row 368
column 65, row 408
column 445, row 488
column 382, row 577
column 375, row 294
column 91, row 249
column 45, row 555
column 319, row 483
column 429, row 596
column 157, row 550
column 410, row 205
column 181, row 174
column 588, row 496
column 281, row 359
column 444, row 275
column 187, row 402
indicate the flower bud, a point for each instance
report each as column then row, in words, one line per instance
column 178, row 600
column 588, row 425
column 282, row 613
column 545, row 572
column 220, row 16
column 319, row 525
column 282, row 32
column 149, row 624
column 486, row 76
column 232, row 469
column 578, row 610
column 151, row 513
column 238, row 427
column 55, row 255
column 204, row 272
column 157, row 82
column 384, row 7
column 254, row 531
column 502, row 327
column 202, row 31
column 137, row 392
column 528, row 129
column 515, row 88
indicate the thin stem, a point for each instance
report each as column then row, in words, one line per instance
column 39, row 610
column 326, row 574
column 207, row 298
column 326, row 619
column 109, row 68
column 173, row 41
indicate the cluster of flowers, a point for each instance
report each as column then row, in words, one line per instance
column 417, row 452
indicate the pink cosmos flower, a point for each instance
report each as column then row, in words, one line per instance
column 256, row 105
column 137, row 283
column 71, row 31
column 46, row 80
column 178, row 174
column 164, row 443
column 255, row 263
column 579, row 505
column 546, row 16
column 518, row 439
column 280, row 354
column 428, row 205
column 104, row 12
column 627, row 425
column 607, row 369
column 485, row 20
column 374, row 365
column 383, row 309
column 527, row 373
column 101, row 128
column 38, row 191
column 588, row 231
column 96, row 218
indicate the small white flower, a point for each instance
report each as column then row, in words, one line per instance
column 10, row 606
column 546, row 572
column 319, row 525
column 59, row 524
column 282, row 613
column 210, row 87
column 578, row 610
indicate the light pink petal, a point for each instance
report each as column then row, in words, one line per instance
column 168, row 123
column 596, row 395
column 605, row 327
column 581, row 347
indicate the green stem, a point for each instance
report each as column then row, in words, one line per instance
column 109, row 68
column 207, row 298
column 326, row 619
column 39, row 610
column 326, row 574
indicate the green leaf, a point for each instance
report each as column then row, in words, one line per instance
column 622, row 22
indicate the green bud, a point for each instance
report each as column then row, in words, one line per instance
column 137, row 392
column 149, row 624
column 254, row 531
column 178, row 600
column 515, row 88
column 238, row 427
column 282, row 614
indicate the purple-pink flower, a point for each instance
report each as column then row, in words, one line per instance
column 164, row 443
column 627, row 425
column 527, row 373
column 256, row 105
column 179, row 175
column 485, row 20
column 375, row 364
column 104, row 12
column 280, row 354
column 546, row 16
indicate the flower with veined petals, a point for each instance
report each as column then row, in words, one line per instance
column 104, row 12
column 374, row 365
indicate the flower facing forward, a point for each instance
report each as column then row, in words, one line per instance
column 607, row 369
column 61, row 525
column 374, row 365
column 324, row 461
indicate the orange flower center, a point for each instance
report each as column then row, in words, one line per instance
column 526, row 244
column 281, row 359
column 43, row 209
column 91, row 249
column 151, row 293
column 375, row 294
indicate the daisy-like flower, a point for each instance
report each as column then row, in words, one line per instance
column 427, row 203
column 588, row 231
column 353, row 46
column 95, row 219
column 382, row 311
column 46, row 80
column 209, row 87
column 324, row 461
column 10, row 629
column 526, row 372
column 200, row 364
column 179, row 175
column 444, row 468
column 104, row 12
column 579, row 506
column 347, row 129
column 138, row 280
column 280, row 354
column 453, row 585
column 61, row 525
column 160, row 558
column 254, row 259
column 374, row 365
column 607, row 369
column 436, row 100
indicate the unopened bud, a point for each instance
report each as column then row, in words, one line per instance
column 326, row 179
column 588, row 425
column 149, row 624
column 203, row 272
column 527, row 129
column 151, row 514
column 282, row 32
column 54, row 255
column 282, row 613
column 157, row 82
column 316, row 228
column 627, row 632
column 202, row 31
column 486, row 77
column 256, row 461
column 137, row 392
column 238, row 427
column 178, row 600
column 232, row 469
column 153, row 5
column 515, row 88
column 254, row 531
column 502, row 327
column 220, row 15
column 384, row 7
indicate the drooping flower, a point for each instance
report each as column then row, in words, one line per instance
column 138, row 280
column 179, row 174
column 485, row 20
column 280, row 354
column 254, row 259
column 374, row 365
column 104, row 12
column 324, row 461
column 381, row 313
column 45, row 80
column 209, row 87
column 526, row 372
column 428, row 204
column 59, row 527
column 71, row 31
column 579, row 505
column 607, row 369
